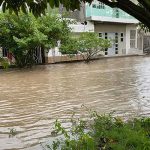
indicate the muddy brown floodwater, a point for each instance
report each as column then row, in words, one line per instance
column 31, row 100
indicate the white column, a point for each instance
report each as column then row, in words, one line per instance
column 127, row 39
column 136, row 37
column 1, row 52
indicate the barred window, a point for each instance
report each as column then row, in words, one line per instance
column 4, row 52
column 100, row 35
column 132, row 38
column 122, row 36
column 132, row 34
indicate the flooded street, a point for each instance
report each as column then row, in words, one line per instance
column 31, row 100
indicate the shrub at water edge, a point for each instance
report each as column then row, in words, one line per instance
column 103, row 132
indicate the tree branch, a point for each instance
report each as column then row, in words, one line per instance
column 135, row 10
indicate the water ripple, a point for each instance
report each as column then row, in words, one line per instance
column 31, row 100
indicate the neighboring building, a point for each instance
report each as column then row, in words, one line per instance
column 116, row 25
column 144, row 41
column 108, row 23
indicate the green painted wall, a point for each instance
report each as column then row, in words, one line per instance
column 105, row 11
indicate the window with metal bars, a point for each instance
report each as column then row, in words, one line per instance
column 132, row 38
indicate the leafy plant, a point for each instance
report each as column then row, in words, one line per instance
column 75, row 139
column 22, row 35
column 4, row 63
column 88, row 45
column 69, row 47
column 104, row 132
column 140, row 12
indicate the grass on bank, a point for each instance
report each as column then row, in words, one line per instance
column 103, row 132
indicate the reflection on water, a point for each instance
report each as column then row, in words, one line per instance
column 31, row 100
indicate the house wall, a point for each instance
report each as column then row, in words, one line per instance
column 78, row 27
column 110, row 27
column 123, row 47
column 114, row 28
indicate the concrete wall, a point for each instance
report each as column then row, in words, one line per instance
column 105, row 27
column 64, row 58
column 78, row 27
column 79, row 15
column 55, row 56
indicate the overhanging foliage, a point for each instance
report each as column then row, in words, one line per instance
column 140, row 9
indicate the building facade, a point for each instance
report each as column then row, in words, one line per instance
column 115, row 25
column 109, row 23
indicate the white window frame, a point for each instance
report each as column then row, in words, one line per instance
column 132, row 39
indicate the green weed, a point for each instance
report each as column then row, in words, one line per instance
column 103, row 132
